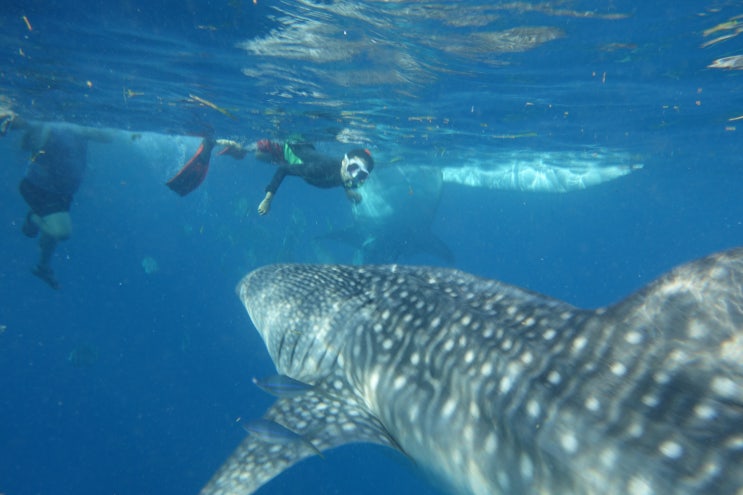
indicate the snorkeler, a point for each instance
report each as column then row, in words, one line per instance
column 292, row 158
column 55, row 171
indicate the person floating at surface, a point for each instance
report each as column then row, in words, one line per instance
column 292, row 158
column 55, row 172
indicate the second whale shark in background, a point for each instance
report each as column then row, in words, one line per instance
column 394, row 220
column 395, row 217
column 542, row 171
column 493, row 389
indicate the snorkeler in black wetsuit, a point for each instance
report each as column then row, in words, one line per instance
column 317, row 169
column 292, row 158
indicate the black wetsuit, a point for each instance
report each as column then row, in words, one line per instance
column 55, row 171
column 316, row 169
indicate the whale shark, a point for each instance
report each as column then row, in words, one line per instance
column 494, row 389
column 400, row 202
column 542, row 171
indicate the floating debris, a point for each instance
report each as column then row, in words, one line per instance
column 211, row 105
column 128, row 93
column 734, row 62
column 733, row 24
column 721, row 38
column 723, row 26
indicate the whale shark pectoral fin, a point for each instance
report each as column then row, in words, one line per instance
column 329, row 421
column 321, row 420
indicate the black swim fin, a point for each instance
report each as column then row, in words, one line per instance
column 194, row 172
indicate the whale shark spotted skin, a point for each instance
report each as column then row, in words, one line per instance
column 493, row 389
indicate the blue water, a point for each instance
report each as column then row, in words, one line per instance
column 125, row 382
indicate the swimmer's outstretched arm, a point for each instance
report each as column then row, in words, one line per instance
column 234, row 149
column 11, row 121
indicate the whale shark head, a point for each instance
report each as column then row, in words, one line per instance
column 304, row 329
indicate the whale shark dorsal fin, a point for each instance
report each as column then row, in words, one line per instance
column 698, row 305
column 681, row 340
column 322, row 419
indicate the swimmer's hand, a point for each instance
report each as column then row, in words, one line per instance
column 232, row 148
column 265, row 205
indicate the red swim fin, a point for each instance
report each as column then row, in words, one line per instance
column 194, row 172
